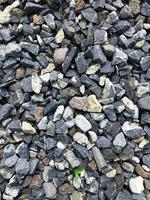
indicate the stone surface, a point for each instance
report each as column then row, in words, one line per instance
column 50, row 190
column 93, row 104
column 28, row 128
column 79, row 103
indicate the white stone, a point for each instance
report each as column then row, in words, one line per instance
column 92, row 136
column 80, row 138
column 36, row 83
column 136, row 185
column 82, row 123
column 28, row 128
column 68, row 113
column 120, row 140
column 58, row 113
column 111, row 173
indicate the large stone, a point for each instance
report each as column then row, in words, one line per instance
column 5, row 111
column 144, row 103
column 80, row 138
column 60, row 55
column 93, row 104
column 90, row 15
column 22, row 166
column 50, row 190
column 79, row 103
column 119, row 57
column 30, row 47
column 49, row 19
column 82, row 123
column 132, row 130
column 136, row 185
column 72, row 159
column 28, row 128
column 145, row 9
column 145, row 63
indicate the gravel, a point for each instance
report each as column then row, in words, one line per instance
column 74, row 99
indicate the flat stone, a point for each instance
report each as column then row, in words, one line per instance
column 80, row 138
column 28, row 128
column 136, row 185
column 36, row 84
column 59, row 36
column 50, row 190
column 143, row 103
column 82, row 123
column 90, row 15
column 15, row 125
column 30, row 47
column 22, row 166
column 100, row 161
column 79, row 103
column 103, row 142
column 120, row 140
column 93, row 104
column 81, row 63
column 132, row 130
column 72, row 159
column 60, row 55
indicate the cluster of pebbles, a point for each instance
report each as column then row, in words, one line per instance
column 75, row 99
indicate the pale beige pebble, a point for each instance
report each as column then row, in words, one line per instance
column 139, row 44
column 59, row 36
column 80, row 138
column 48, row 69
column 102, row 80
column 37, row 19
column 76, row 195
column 60, row 55
column 36, row 83
column 28, row 128
column 147, row 26
column 142, row 89
column 143, row 143
column 111, row 173
column 92, row 69
column 109, row 49
column 136, row 185
column 93, row 104
column 6, row 13
column 135, row 6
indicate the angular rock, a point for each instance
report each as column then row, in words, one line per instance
column 28, row 128
column 36, row 83
column 80, row 138
column 60, row 55
column 90, row 15
column 30, row 47
column 13, row 49
column 59, row 36
column 145, row 63
column 50, row 190
column 93, row 104
column 5, row 111
column 119, row 57
column 32, row 8
column 120, row 140
column 79, row 103
column 81, row 63
column 49, row 19
column 72, row 159
column 143, row 103
column 22, row 166
column 145, row 9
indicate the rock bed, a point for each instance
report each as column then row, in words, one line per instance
column 74, row 99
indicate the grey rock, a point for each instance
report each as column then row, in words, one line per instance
column 26, row 84
column 15, row 125
column 145, row 63
column 100, row 161
column 93, row 187
column 135, row 56
column 119, row 57
column 49, row 19
column 98, row 54
column 127, row 153
column 100, row 37
column 42, row 125
column 132, row 130
column 124, row 195
column 30, row 47
column 82, row 123
column 71, row 54
column 81, row 63
column 98, row 4
column 31, row 8
column 122, row 26
column 50, row 128
column 22, row 150
column 119, row 140
column 145, row 118
column 12, row 190
column 5, row 111
column 143, row 103
column 50, row 190
column 2, row 52
column 90, row 15
column 103, row 142
column 126, row 12
column 72, row 159
column 146, row 160
column 80, row 150
column 11, row 160
column 145, row 9
column 22, row 166
column 33, row 165
column 13, row 49
column 49, row 143
column 60, row 127
column 9, row 150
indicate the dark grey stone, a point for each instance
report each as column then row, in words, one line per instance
column 26, row 84
column 15, row 125
column 98, row 54
column 31, row 8
column 81, row 63
column 145, row 9
column 30, row 47
column 144, row 103
column 5, row 111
